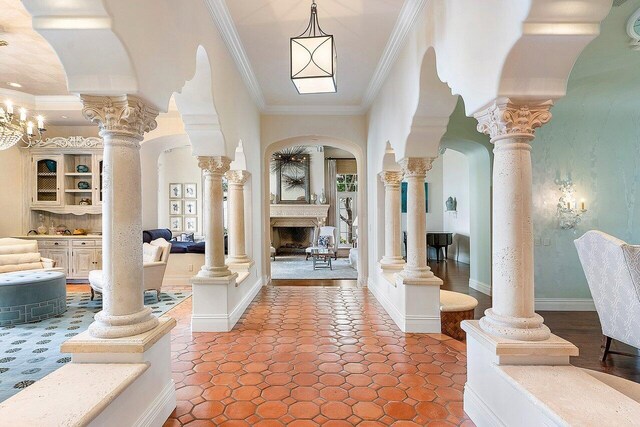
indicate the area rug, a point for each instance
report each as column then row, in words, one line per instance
column 31, row 351
column 296, row 267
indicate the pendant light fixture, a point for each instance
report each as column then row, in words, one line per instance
column 313, row 58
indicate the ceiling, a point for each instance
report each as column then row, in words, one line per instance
column 28, row 59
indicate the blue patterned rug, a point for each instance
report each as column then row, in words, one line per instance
column 31, row 351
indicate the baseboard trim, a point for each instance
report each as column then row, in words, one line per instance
column 478, row 411
column 160, row 409
column 420, row 324
column 237, row 312
column 480, row 287
column 388, row 306
column 565, row 304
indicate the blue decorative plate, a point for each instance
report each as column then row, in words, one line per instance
column 84, row 185
column 51, row 165
column 82, row 168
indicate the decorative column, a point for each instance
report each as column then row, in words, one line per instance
column 392, row 259
column 511, row 127
column 123, row 120
column 237, row 250
column 214, row 168
column 415, row 171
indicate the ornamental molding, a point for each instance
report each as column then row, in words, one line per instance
column 391, row 178
column 214, row 164
column 416, row 166
column 506, row 119
column 69, row 142
column 298, row 211
column 125, row 115
column 238, row 177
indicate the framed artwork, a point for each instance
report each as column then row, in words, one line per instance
column 190, row 191
column 175, row 207
column 175, row 223
column 403, row 197
column 191, row 223
column 175, row 191
column 190, row 207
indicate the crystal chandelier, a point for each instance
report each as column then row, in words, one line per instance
column 15, row 128
column 313, row 58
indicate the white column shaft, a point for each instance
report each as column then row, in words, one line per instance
column 392, row 258
column 237, row 247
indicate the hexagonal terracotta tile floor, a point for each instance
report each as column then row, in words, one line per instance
column 315, row 356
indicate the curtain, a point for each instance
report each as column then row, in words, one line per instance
column 330, row 191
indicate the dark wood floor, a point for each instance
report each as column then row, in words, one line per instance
column 582, row 328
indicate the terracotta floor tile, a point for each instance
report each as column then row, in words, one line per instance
column 325, row 357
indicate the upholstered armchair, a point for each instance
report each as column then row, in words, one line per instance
column 612, row 268
column 155, row 255
column 330, row 234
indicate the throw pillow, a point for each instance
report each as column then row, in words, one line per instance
column 323, row 241
column 151, row 253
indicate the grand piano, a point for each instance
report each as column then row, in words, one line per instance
column 437, row 240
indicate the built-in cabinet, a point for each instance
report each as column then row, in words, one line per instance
column 65, row 182
column 76, row 255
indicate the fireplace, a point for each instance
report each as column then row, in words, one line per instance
column 292, row 240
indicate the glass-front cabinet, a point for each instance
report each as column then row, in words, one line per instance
column 47, row 174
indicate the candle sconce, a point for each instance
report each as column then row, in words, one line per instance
column 568, row 213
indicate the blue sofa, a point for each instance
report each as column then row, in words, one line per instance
column 177, row 247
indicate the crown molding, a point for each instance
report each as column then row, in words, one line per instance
column 320, row 110
column 407, row 17
column 221, row 16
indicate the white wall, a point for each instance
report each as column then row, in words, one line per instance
column 177, row 165
column 455, row 183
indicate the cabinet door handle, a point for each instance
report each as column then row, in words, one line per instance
column 56, row 243
column 83, row 243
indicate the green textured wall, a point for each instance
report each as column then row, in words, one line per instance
column 594, row 136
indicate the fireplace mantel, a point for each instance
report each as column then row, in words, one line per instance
column 299, row 211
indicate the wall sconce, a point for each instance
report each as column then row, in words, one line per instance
column 568, row 213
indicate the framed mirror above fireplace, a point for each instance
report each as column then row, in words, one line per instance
column 291, row 168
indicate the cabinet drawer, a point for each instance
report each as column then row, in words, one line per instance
column 53, row 243
column 84, row 243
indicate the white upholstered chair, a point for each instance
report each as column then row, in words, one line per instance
column 612, row 268
column 154, row 257
column 325, row 231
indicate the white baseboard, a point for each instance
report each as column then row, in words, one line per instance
column 478, row 411
column 565, row 304
column 160, row 409
column 237, row 312
column 480, row 287
column 391, row 309
column 420, row 324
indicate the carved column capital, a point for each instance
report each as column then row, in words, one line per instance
column 124, row 115
column 391, row 178
column 214, row 165
column 507, row 119
column 238, row 177
column 416, row 166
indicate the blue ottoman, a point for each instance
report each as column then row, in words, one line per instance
column 31, row 296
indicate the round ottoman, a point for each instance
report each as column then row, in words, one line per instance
column 31, row 296
column 454, row 308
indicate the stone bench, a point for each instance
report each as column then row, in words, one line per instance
column 454, row 308
column 75, row 395
column 31, row 296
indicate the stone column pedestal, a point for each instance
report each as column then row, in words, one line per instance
column 237, row 243
column 392, row 259
column 512, row 128
column 123, row 120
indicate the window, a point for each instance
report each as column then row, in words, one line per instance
column 347, row 182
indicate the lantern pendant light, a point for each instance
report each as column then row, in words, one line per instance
column 313, row 59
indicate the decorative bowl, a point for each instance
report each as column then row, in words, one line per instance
column 51, row 165
column 84, row 185
column 85, row 202
column 82, row 168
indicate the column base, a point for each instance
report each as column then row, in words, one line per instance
column 418, row 276
column 108, row 326
column 212, row 272
column 392, row 263
column 218, row 302
column 239, row 263
column 515, row 328
column 151, row 397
